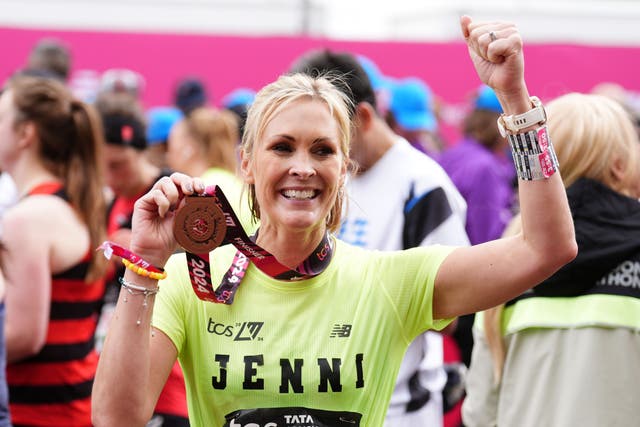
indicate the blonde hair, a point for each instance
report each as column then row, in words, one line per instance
column 592, row 135
column 216, row 133
column 276, row 96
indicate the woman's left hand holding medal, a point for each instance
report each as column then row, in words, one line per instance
column 154, row 213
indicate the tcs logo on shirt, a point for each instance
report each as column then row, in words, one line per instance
column 290, row 420
column 244, row 331
column 234, row 424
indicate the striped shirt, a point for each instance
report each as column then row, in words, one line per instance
column 53, row 387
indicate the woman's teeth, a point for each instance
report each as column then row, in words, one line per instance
column 299, row 194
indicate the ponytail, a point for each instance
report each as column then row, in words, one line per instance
column 84, row 177
column 71, row 139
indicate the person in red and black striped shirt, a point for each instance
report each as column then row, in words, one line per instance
column 54, row 278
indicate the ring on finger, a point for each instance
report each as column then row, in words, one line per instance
column 492, row 36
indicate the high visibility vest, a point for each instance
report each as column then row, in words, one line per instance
column 593, row 310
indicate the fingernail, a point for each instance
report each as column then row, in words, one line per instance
column 189, row 187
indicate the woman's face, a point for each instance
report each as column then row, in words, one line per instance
column 297, row 166
column 123, row 173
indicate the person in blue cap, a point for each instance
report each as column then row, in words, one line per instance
column 381, row 84
column 238, row 102
column 160, row 120
column 411, row 115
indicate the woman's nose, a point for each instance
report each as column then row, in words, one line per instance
column 302, row 166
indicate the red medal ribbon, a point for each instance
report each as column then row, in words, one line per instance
column 247, row 250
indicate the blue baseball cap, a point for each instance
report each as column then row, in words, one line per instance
column 239, row 97
column 373, row 72
column 411, row 105
column 160, row 121
column 486, row 99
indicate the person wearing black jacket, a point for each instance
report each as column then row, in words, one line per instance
column 567, row 352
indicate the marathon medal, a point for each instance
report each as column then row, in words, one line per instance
column 199, row 225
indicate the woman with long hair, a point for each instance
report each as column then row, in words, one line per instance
column 54, row 278
column 567, row 352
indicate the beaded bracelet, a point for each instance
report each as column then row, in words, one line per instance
column 132, row 261
column 141, row 271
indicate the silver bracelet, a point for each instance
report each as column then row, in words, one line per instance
column 533, row 154
column 134, row 289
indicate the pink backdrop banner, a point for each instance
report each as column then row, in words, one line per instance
column 225, row 63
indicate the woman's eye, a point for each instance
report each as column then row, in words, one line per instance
column 281, row 147
column 324, row 151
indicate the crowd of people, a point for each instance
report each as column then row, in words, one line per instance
column 316, row 253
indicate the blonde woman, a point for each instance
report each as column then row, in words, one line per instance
column 567, row 353
column 318, row 328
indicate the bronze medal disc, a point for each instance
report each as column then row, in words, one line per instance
column 199, row 225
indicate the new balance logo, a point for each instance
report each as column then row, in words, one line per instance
column 340, row 331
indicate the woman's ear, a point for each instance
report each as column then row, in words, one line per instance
column 245, row 167
column 618, row 171
column 344, row 170
column 27, row 133
column 620, row 182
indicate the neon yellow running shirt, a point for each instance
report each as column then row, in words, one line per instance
column 331, row 344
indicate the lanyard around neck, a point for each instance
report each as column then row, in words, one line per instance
column 205, row 222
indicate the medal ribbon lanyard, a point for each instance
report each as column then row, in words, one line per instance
column 205, row 222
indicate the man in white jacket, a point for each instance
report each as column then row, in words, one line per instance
column 398, row 198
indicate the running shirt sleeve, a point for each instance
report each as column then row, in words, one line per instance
column 408, row 278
